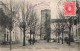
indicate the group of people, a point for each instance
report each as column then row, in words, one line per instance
column 32, row 41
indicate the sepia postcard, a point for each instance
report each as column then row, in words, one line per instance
column 39, row 25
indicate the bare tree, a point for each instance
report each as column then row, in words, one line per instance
column 61, row 16
column 64, row 20
column 8, row 19
column 57, row 29
column 33, row 24
column 28, row 19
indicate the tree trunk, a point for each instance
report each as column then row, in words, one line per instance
column 62, row 37
column 40, row 33
column 24, row 37
column 10, row 40
column 40, row 36
column 48, row 38
column 33, row 39
column 30, row 37
column 58, row 38
column 69, row 35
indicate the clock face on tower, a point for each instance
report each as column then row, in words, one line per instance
column 69, row 9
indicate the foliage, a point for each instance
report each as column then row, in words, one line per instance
column 5, row 21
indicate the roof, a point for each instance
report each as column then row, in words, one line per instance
column 58, row 20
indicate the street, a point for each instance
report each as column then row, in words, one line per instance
column 42, row 45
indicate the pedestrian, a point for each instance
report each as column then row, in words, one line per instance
column 33, row 41
column 30, row 41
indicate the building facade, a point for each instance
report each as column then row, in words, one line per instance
column 45, row 23
column 4, row 32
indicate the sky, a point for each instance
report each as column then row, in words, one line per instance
column 41, row 5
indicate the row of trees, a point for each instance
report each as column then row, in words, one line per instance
column 27, row 15
column 63, row 24
column 68, row 23
column 6, row 22
column 29, row 20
